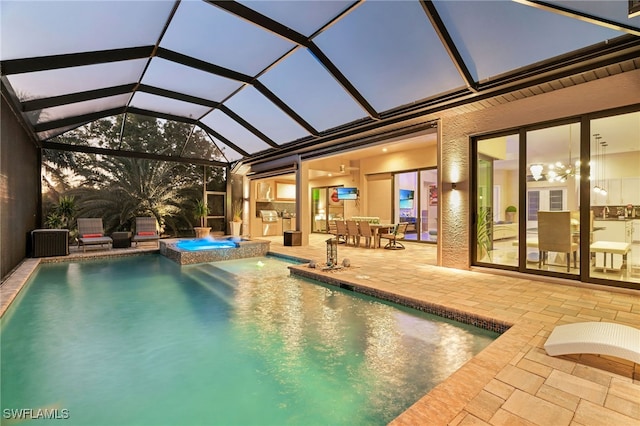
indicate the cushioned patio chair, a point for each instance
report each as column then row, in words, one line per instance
column 146, row 231
column 397, row 233
column 91, row 233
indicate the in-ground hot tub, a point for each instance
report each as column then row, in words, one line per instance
column 187, row 251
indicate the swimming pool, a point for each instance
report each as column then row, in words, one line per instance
column 143, row 340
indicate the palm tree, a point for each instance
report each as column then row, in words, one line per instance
column 122, row 188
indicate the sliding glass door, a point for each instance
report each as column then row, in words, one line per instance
column 416, row 202
column 614, row 189
column 561, row 200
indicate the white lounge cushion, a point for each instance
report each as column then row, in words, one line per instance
column 602, row 338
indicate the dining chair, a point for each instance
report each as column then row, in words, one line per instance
column 352, row 232
column 395, row 234
column 341, row 231
column 555, row 235
column 333, row 229
column 365, row 232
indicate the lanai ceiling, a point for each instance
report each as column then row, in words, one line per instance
column 264, row 79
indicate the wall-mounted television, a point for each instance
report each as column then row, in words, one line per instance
column 406, row 198
column 345, row 193
column 406, row 194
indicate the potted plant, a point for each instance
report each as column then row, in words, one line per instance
column 236, row 218
column 510, row 213
column 201, row 211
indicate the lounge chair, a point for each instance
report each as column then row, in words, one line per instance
column 146, row 231
column 91, row 233
column 600, row 338
column 397, row 233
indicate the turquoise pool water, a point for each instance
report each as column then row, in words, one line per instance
column 204, row 244
column 144, row 341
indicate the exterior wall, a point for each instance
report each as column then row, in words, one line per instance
column 19, row 190
column 457, row 128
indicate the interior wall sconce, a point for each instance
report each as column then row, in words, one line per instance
column 454, row 186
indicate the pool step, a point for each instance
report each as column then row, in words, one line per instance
column 216, row 273
column 210, row 277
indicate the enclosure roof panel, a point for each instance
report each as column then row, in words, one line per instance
column 264, row 79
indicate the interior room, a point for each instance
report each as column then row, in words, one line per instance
column 378, row 182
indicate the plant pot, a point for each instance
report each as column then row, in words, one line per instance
column 510, row 216
column 235, row 228
column 202, row 232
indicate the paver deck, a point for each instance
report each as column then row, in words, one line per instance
column 513, row 381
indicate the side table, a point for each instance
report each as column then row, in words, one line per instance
column 121, row 239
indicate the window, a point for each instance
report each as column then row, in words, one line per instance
column 533, row 205
column 556, row 200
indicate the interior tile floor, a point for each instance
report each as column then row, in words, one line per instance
column 505, row 252
column 512, row 381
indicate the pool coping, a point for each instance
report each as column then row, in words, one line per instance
column 486, row 323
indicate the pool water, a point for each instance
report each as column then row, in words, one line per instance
column 205, row 244
column 144, row 341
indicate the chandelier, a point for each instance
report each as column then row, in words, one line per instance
column 557, row 171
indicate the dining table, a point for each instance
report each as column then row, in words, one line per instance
column 377, row 229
